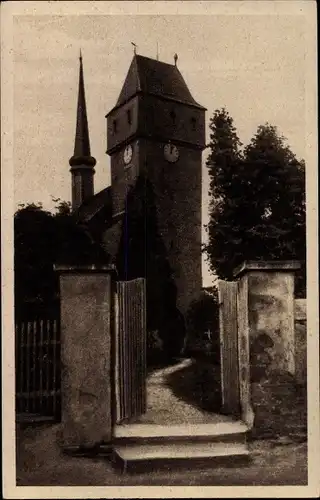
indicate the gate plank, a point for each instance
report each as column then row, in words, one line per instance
column 130, row 357
column 229, row 347
column 116, row 350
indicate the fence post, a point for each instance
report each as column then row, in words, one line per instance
column 266, row 331
column 86, row 302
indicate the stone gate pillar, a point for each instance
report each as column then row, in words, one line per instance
column 86, row 328
column 266, row 336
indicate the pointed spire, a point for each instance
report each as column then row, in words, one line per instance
column 82, row 163
column 82, row 142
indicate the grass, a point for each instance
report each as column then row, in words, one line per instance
column 40, row 462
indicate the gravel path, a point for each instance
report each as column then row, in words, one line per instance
column 164, row 408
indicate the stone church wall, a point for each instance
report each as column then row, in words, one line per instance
column 177, row 190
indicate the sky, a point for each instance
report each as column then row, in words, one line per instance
column 254, row 65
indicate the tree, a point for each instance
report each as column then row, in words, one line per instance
column 224, row 163
column 42, row 239
column 34, row 254
column 257, row 205
column 62, row 207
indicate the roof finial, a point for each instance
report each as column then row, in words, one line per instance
column 134, row 48
column 80, row 57
column 175, row 57
column 157, row 51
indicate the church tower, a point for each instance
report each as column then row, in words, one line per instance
column 82, row 163
column 158, row 129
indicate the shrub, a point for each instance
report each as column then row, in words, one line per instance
column 154, row 348
column 203, row 326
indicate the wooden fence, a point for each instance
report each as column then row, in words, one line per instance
column 37, row 362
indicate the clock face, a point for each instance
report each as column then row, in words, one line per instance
column 171, row 153
column 127, row 154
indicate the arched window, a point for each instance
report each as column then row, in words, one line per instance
column 114, row 126
column 193, row 123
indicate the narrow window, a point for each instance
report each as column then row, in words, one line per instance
column 129, row 117
column 173, row 117
column 193, row 123
column 114, row 126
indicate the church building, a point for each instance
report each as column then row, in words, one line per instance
column 155, row 131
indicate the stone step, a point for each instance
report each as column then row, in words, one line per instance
column 141, row 457
column 137, row 446
column 217, row 429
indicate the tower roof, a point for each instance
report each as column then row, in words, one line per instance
column 82, row 141
column 154, row 77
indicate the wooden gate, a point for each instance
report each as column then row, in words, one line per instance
column 130, row 349
column 229, row 347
